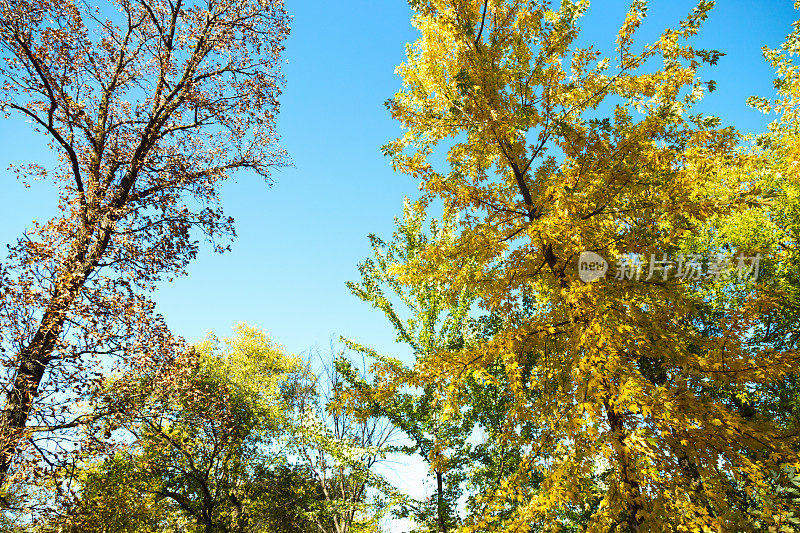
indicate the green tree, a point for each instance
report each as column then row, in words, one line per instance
column 202, row 428
column 230, row 436
column 293, row 501
column 476, row 453
column 115, row 496
column 340, row 451
column 426, row 321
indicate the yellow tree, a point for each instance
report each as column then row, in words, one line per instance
column 554, row 150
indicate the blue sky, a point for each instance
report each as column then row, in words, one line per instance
column 300, row 240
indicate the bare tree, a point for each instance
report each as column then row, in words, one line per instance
column 339, row 448
column 149, row 104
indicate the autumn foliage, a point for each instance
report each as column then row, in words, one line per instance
column 650, row 399
column 149, row 105
column 553, row 149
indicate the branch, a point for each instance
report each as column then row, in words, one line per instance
column 483, row 21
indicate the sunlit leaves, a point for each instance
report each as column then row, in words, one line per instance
column 149, row 105
column 553, row 150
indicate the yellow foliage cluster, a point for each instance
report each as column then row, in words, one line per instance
column 552, row 150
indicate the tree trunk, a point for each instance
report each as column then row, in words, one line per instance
column 32, row 363
column 630, row 485
column 33, row 359
column 440, row 502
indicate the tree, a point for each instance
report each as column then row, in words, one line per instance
column 553, row 150
column 113, row 497
column 293, row 502
column 339, row 450
column 465, row 445
column 771, row 226
column 438, row 437
column 205, row 428
column 229, row 437
column 150, row 104
column 194, row 440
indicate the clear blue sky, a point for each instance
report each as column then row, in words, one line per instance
column 300, row 240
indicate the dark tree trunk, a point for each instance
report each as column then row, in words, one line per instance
column 630, row 484
column 33, row 359
column 440, row 507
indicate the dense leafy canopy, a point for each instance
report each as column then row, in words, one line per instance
column 553, row 150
